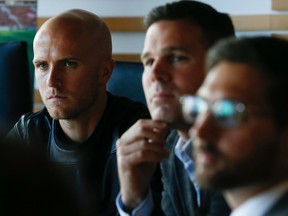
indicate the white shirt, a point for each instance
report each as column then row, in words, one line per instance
column 261, row 203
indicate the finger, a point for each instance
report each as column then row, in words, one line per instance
column 142, row 145
column 144, row 129
column 144, row 156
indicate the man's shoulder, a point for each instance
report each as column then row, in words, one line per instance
column 36, row 118
column 33, row 127
column 31, row 122
column 126, row 112
column 125, row 103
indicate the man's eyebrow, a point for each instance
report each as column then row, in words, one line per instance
column 37, row 61
column 144, row 55
column 68, row 59
column 59, row 60
column 165, row 50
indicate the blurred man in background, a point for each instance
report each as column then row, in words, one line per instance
column 240, row 131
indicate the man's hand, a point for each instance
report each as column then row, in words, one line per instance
column 138, row 151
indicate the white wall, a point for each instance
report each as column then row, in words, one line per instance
column 241, row 7
column 118, row 8
column 104, row 8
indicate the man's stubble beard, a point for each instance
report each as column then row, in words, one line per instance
column 253, row 169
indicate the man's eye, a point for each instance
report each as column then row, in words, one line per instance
column 42, row 66
column 148, row 62
column 177, row 58
column 70, row 64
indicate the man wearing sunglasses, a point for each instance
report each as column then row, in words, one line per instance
column 177, row 38
column 240, row 125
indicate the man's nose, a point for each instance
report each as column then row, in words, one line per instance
column 54, row 77
column 160, row 71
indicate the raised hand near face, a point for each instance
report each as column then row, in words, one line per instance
column 138, row 151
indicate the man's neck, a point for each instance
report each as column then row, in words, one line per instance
column 183, row 134
column 81, row 128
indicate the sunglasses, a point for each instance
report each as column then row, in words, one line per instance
column 226, row 113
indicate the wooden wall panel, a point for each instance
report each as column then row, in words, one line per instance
column 260, row 22
column 251, row 22
column 125, row 24
column 279, row 22
column 127, row 57
column 279, row 4
column 115, row 24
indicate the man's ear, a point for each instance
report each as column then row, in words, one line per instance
column 107, row 70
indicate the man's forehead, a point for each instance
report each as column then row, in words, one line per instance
column 170, row 42
column 178, row 28
column 235, row 81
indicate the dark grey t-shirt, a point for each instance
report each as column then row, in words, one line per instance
column 90, row 166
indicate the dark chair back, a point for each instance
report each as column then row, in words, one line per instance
column 15, row 84
column 126, row 80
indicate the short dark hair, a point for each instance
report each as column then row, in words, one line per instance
column 267, row 55
column 214, row 25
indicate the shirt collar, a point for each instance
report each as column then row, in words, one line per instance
column 263, row 201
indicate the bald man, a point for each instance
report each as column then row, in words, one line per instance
column 80, row 120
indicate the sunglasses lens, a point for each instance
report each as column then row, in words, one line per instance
column 228, row 113
column 192, row 106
